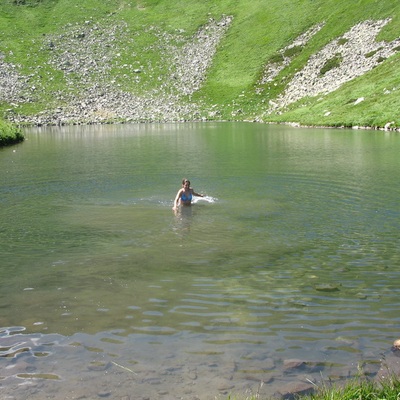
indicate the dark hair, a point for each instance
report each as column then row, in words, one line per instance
column 184, row 180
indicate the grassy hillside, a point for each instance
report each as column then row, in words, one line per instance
column 259, row 30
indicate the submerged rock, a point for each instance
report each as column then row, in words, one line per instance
column 293, row 390
column 327, row 287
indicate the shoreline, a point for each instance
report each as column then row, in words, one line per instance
column 202, row 120
column 94, row 96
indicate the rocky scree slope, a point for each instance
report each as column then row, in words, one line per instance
column 86, row 54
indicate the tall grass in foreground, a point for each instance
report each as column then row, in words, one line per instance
column 357, row 389
column 10, row 134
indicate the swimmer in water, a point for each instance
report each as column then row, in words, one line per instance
column 185, row 195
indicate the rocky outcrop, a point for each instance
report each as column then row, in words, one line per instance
column 351, row 55
column 12, row 85
column 101, row 87
column 86, row 54
column 285, row 56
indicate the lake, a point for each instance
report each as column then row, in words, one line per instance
column 287, row 272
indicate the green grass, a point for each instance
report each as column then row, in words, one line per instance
column 9, row 134
column 332, row 63
column 359, row 389
column 356, row 389
column 379, row 89
column 260, row 30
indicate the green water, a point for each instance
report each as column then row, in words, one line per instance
column 295, row 255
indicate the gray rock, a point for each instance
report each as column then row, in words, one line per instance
column 292, row 390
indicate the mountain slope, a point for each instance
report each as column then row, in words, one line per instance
column 310, row 62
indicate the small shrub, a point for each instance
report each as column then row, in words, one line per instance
column 330, row 64
column 28, row 3
column 276, row 58
column 342, row 41
column 371, row 54
column 10, row 134
column 293, row 51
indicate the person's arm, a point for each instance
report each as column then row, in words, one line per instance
column 176, row 201
column 197, row 194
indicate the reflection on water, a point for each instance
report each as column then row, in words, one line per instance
column 287, row 272
column 184, row 217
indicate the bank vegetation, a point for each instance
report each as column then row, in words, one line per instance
column 10, row 134
column 359, row 388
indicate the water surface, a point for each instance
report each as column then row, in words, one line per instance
column 105, row 290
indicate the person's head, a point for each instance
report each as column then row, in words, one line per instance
column 185, row 182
